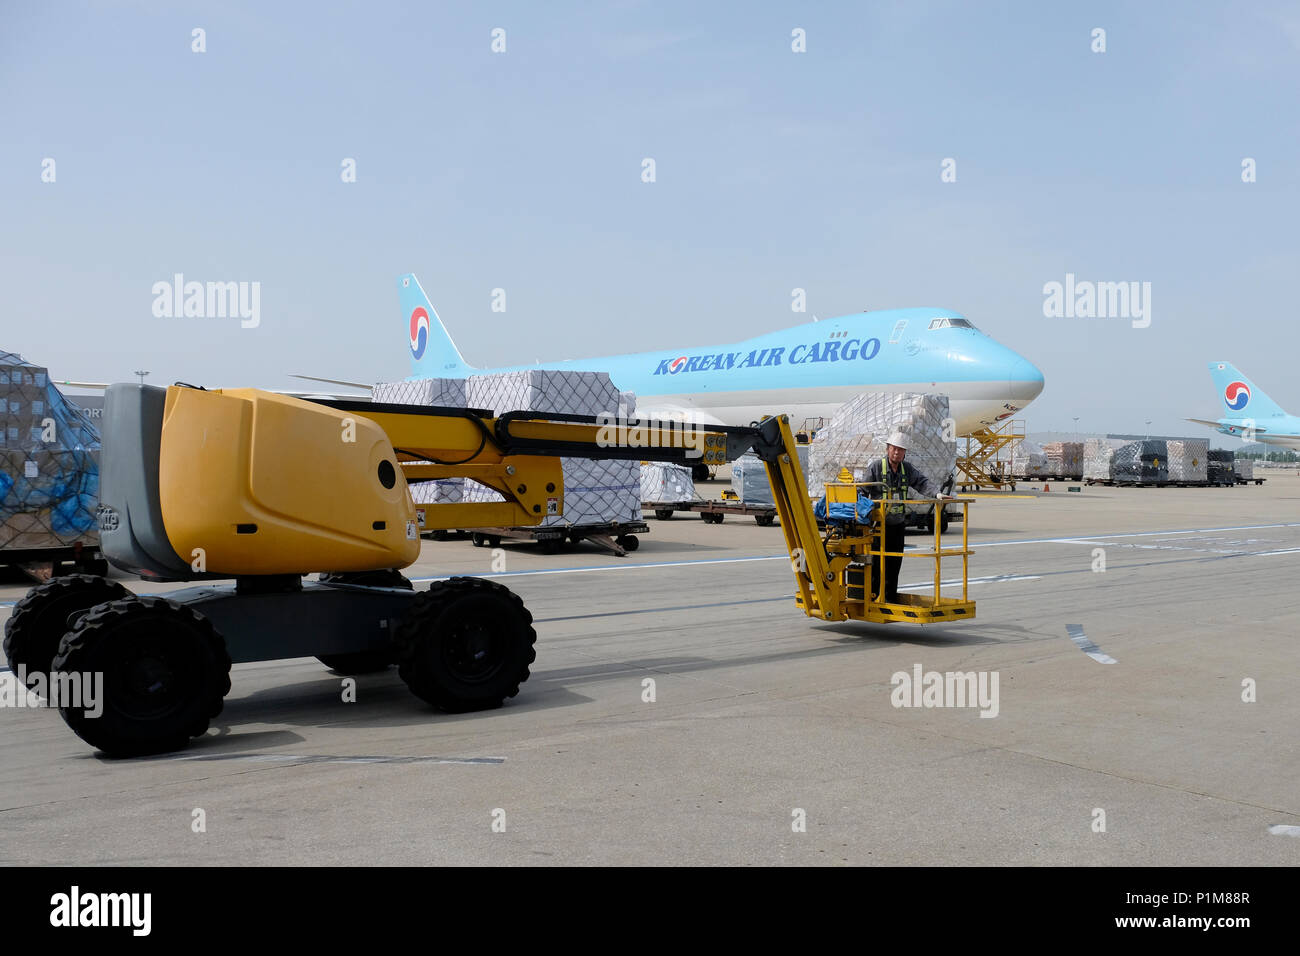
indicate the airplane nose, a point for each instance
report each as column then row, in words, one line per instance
column 1025, row 381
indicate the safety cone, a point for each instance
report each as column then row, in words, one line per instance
column 1045, row 488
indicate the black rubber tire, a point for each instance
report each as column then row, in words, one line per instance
column 40, row 619
column 550, row 545
column 628, row 542
column 478, row 540
column 943, row 522
column 98, row 567
column 713, row 517
column 701, row 473
column 663, row 514
column 140, row 644
column 765, row 521
column 466, row 644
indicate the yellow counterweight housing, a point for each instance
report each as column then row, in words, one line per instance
column 251, row 482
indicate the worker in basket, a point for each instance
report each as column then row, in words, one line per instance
column 894, row 479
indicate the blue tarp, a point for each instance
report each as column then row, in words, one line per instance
column 49, row 462
column 842, row 512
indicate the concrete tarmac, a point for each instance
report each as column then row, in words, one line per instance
column 771, row 738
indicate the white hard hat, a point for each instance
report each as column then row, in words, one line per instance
column 898, row 440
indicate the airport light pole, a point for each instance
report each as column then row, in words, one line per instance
column 1148, row 428
column 141, row 374
column 1076, row 427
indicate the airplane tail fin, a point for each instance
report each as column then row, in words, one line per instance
column 1239, row 396
column 433, row 353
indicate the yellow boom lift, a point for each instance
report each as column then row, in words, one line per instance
column 242, row 484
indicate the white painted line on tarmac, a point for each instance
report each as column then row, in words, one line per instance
column 1284, row 829
column 1088, row 647
column 1087, row 538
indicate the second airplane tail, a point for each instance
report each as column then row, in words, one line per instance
column 1239, row 396
column 433, row 353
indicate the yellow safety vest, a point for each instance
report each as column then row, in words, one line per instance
column 896, row 509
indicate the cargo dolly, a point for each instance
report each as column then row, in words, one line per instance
column 616, row 537
column 243, row 494
column 619, row 538
column 713, row 512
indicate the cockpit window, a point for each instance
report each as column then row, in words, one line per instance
column 945, row 322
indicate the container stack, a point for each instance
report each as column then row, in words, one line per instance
column 595, row 492
column 857, row 433
column 749, row 481
column 1028, row 460
column 444, row 392
column 664, row 483
column 49, row 463
column 1064, row 459
column 1141, row 462
column 1220, row 469
column 1187, row 460
column 1244, row 468
column 1098, row 457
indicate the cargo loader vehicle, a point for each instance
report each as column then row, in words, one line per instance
column 244, row 494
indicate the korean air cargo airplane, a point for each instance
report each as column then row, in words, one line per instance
column 806, row 371
column 1249, row 413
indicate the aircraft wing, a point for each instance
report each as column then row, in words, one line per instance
column 1258, row 429
column 332, row 381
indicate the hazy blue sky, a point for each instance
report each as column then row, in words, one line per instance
column 775, row 170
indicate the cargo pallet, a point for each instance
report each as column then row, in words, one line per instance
column 713, row 512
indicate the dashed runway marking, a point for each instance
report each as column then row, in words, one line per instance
column 1088, row 647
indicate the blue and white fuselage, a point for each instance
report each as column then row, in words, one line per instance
column 806, row 371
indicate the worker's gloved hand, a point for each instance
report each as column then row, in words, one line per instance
column 943, row 497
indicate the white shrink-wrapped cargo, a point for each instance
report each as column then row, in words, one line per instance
column 1064, row 458
column 857, row 432
column 442, row 392
column 1244, row 468
column 663, row 482
column 595, row 492
column 750, row 482
column 447, row 392
column 1099, row 456
column 1187, row 459
column 544, row 390
column 1028, row 460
